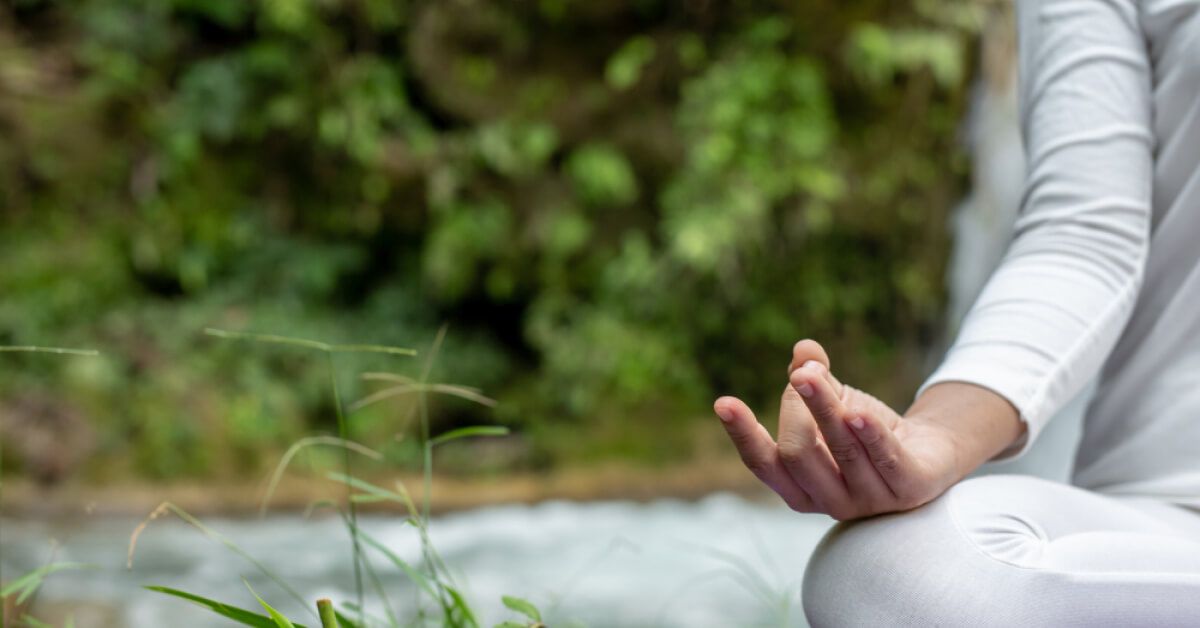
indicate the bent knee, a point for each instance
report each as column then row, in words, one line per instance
column 921, row 567
column 869, row 572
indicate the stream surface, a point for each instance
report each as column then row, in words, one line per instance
column 721, row 561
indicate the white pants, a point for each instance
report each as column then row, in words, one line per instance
column 1011, row 550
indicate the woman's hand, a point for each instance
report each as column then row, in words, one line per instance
column 842, row 452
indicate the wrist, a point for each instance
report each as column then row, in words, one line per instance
column 956, row 458
column 975, row 423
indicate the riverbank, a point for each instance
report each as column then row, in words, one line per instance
column 21, row 498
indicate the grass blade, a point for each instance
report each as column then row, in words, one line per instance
column 523, row 607
column 413, row 573
column 168, row 507
column 345, row 622
column 380, row 493
column 453, row 390
column 307, row 343
column 32, row 581
column 468, row 432
column 462, row 392
column 276, row 616
column 240, row 615
column 395, row 378
column 461, row 613
column 296, row 447
column 56, row 350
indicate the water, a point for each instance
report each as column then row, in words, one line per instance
column 599, row 564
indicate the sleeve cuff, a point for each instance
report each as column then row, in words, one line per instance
column 987, row 372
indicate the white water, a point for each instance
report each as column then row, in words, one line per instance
column 599, row 564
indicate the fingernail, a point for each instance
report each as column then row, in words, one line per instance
column 858, row 423
column 805, row 389
column 813, row 365
column 724, row 416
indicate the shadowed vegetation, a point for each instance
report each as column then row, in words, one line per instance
column 622, row 209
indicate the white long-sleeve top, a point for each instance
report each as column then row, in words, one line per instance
column 1103, row 273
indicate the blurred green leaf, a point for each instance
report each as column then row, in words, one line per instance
column 602, row 175
column 26, row 585
column 521, row 606
column 625, row 66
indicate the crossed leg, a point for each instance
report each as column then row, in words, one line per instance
column 1011, row 551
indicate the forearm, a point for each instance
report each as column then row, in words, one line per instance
column 978, row 422
column 1053, row 311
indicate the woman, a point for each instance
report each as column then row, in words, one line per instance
column 1102, row 278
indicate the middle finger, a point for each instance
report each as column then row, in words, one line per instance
column 806, row 457
column 862, row 480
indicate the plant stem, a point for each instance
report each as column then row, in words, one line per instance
column 343, row 433
column 58, row 350
column 325, row 610
column 305, row 342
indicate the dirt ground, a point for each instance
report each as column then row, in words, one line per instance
column 297, row 491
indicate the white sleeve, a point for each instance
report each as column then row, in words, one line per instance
column 1054, row 309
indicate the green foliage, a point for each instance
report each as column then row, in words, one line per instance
column 432, row 577
column 879, row 55
column 328, row 615
column 28, row 584
column 602, row 176
column 468, row 432
column 622, row 210
column 277, row 618
column 762, row 126
column 523, row 607
column 239, row 615
column 625, row 66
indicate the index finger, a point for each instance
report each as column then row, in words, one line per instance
column 830, row 413
column 759, row 452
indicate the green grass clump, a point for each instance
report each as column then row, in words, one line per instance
column 435, row 583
